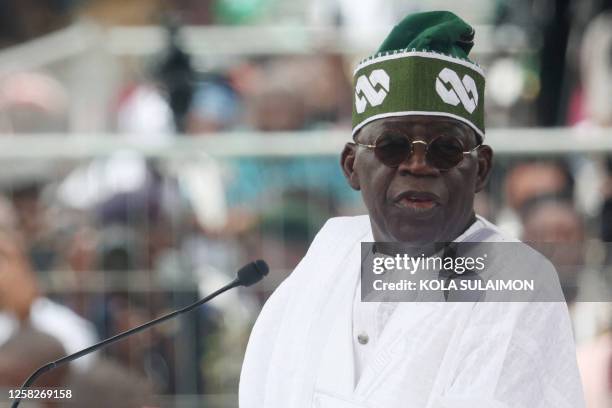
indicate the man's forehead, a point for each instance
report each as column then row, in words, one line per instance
column 428, row 121
column 412, row 122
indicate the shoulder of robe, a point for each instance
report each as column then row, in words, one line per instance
column 340, row 234
column 333, row 241
column 348, row 229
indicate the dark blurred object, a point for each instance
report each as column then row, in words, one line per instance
column 176, row 75
column 606, row 210
column 23, row 20
column 546, row 25
column 606, row 221
column 555, row 33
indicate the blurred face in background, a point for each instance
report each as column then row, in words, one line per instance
column 416, row 202
column 18, row 287
column 277, row 109
column 556, row 223
column 528, row 180
column 556, row 230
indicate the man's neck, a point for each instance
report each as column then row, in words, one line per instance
column 470, row 222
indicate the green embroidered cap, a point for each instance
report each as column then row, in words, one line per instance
column 422, row 68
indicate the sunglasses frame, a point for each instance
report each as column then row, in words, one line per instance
column 373, row 147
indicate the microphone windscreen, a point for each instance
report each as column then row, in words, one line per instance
column 252, row 272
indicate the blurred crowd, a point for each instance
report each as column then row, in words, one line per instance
column 94, row 247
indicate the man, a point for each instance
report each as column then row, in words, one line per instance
column 22, row 304
column 418, row 160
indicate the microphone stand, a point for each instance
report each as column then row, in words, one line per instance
column 247, row 275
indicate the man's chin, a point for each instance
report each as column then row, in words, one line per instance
column 416, row 225
column 418, row 235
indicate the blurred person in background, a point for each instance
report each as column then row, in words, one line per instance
column 549, row 220
column 23, row 20
column 595, row 363
column 28, row 306
column 16, row 274
column 109, row 384
column 591, row 107
column 24, row 352
column 216, row 107
column 528, row 180
column 274, row 106
column 32, row 102
column 283, row 232
column 552, row 226
column 156, row 229
column 299, row 93
column 596, row 104
column 135, row 239
column 143, row 115
column 32, row 216
column 326, row 90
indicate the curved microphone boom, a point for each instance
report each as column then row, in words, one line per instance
column 248, row 275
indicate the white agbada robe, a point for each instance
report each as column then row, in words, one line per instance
column 428, row 354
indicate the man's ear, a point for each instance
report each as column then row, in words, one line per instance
column 347, row 162
column 485, row 162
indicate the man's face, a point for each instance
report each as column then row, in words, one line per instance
column 416, row 202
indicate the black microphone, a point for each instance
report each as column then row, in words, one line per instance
column 247, row 275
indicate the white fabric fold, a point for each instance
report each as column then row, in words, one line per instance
column 429, row 355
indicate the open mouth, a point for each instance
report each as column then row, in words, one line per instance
column 417, row 200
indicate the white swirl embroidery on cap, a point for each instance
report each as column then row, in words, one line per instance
column 366, row 91
column 463, row 91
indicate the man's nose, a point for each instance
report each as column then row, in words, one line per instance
column 416, row 162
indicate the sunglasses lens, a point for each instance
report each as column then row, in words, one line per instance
column 392, row 149
column 445, row 152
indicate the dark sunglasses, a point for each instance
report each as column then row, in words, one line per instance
column 443, row 153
